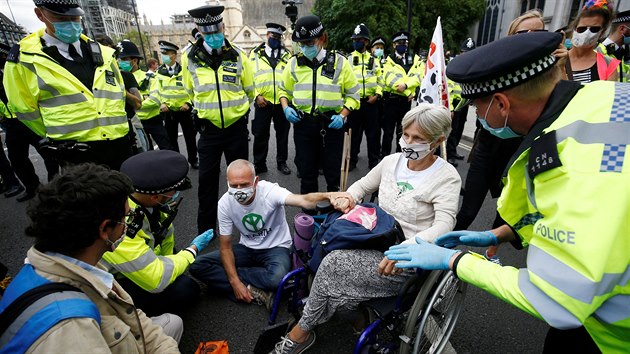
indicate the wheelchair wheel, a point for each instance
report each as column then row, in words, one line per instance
column 434, row 314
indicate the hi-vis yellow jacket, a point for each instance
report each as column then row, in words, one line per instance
column 568, row 197
column 395, row 74
column 266, row 78
column 318, row 90
column 54, row 103
column 171, row 87
column 222, row 96
column 152, row 267
column 150, row 90
column 368, row 71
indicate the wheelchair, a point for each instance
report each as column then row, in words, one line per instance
column 419, row 319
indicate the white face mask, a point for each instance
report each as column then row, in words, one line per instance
column 584, row 39
column 113, row 245
column 242, row 195
column 414, row 151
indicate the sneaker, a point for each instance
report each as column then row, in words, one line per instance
column 261, row 297
column 287, row 346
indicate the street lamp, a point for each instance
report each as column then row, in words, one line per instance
column 409, row 16
column 291, row 10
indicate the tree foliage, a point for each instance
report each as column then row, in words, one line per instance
column 386, row 17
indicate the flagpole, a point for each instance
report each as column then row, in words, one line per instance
column 409, row 16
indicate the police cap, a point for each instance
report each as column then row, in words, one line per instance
column 207, row 17
column 275, row 28
column 361, row 31
column 483, row 71
column 167, row 46
column 156, row 171
column 378, row 40
column 61, row 7
column 128, row 50
column 307, row 28
column 622, row 17
column 467, row 44
column 400, row 36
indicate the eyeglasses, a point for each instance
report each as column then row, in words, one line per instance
column 593, row 29
column 530, row 30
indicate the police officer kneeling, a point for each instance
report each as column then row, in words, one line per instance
column 567, row 195
column 146, row 263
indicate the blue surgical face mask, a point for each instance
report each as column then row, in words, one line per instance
column 358, row 45
column 310, row 51
column 125, row 65
column 567, row 43
column 504, row 132
column 68, row 31
column 626, row 40
column 214, row 40
column 274, row 43
column 401, row 48
column 378, row 52
column 166, row 59
column 171, row 199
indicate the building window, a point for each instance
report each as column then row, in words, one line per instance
column 488, row 26
column 527, row 5
column 247, row 34
column 576, row 6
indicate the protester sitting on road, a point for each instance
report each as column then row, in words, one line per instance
column 419, row 189
column 146, row 263
column 251, row 269
column 75, row 219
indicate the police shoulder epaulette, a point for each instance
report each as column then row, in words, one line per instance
column 14, row 53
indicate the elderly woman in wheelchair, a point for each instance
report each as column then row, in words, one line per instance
column 419, row 189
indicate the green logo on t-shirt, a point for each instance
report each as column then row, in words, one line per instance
column 253, row 222
column 404, row 187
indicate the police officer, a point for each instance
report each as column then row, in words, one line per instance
column 269, row 60
column 568, row 176
column 367, row 70
column 68, row 89
column 219, row 77
column 176, row 106
column 145, row 262
column 617, row 44
column 149, row 113
column 402, row 74
column 318, row 91
column 459, row 115
column 378, row 49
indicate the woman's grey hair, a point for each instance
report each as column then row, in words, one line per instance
column 433, row 121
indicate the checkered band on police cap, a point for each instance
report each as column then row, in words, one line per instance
column 622, row 17
column 56, row 2
column 477, row 89
column 208, row 19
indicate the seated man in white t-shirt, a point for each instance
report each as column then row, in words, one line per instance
column 251, row 269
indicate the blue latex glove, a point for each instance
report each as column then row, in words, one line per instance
column 337, row 122
column 203, row 240
column 422, row 255
column 291, row 114
column 468, row 238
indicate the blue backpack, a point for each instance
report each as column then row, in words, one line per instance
column 367, row 226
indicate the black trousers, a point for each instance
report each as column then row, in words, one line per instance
column 155, row 128
column 396, row 107
column 176, row 298
column 575, row 340
column 490, row 156
column 213, row 144
column 6, row 172
column 457, row 129
column 313, row 150
column 172, row 121
column 260, row 128
column 365, row 119
column 19, row 138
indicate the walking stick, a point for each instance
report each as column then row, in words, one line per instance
column 345, row 178
column 343, row 161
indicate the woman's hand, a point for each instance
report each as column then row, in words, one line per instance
column 342, row 201
column 561, row 52
column 387, row 267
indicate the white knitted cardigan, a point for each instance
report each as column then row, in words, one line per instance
column 427, row 211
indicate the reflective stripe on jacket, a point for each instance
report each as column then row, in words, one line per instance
column 312, row 91
column 54, row 103
column 150, row 95
column 394, row 75
column 221, row 96
column 367, row 72
column 267, row 79
column 171, row 88
column 575, row 219
column 152, row 267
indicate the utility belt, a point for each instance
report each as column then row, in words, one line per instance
column 394, row 97
column 205, row 125
column 69, row 150
column 318, row 117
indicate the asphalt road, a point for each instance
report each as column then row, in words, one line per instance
column 486, row 325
